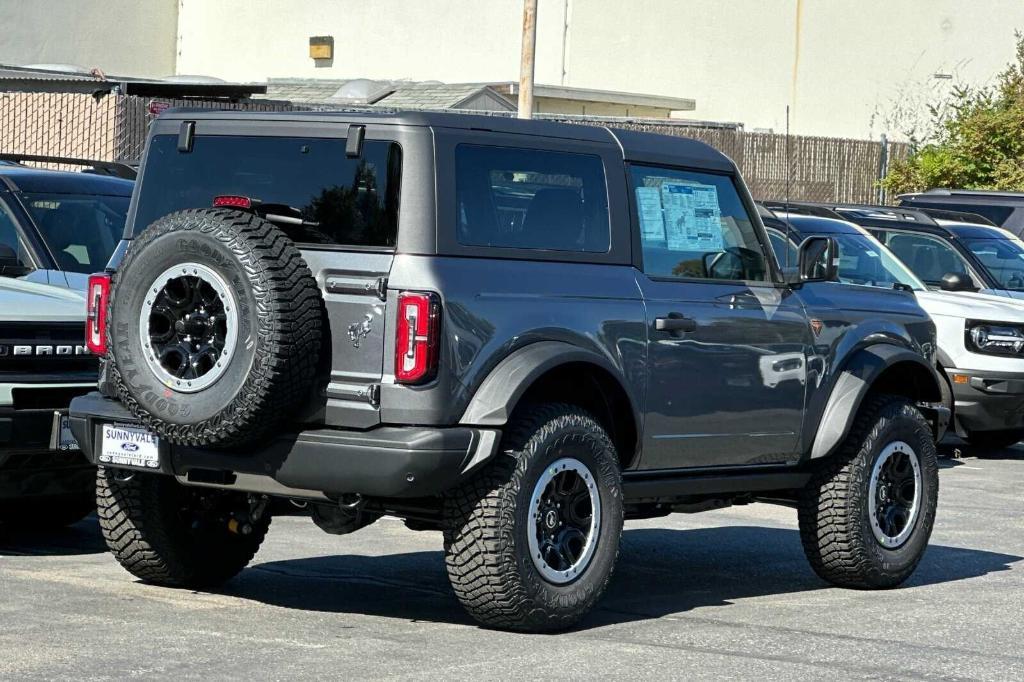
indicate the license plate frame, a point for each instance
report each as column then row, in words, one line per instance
column 61, row 437
column 129, row 446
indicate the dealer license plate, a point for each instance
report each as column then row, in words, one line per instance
column 129, row 446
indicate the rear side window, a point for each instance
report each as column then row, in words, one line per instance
column 531, row 199
column 341, row 201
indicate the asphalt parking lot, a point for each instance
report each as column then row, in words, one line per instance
column 725, row 594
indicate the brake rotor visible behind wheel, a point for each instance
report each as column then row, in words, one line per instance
column 214, row 328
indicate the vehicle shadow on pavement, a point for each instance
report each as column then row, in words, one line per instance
column 660, row 572
column 81, row 538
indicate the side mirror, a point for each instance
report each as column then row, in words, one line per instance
column 957, row 281
column 818, row 260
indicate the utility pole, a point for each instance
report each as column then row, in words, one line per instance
column 526, row 65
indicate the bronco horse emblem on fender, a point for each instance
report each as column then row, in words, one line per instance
column 358, row 331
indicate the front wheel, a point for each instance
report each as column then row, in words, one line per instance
column 165, row 533
column 867, row 514
column 531, row 540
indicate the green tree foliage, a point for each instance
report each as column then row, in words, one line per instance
column 978, row 139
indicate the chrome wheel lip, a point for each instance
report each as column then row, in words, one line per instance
column 549, row 573
column 220, row 286
column 894, row 449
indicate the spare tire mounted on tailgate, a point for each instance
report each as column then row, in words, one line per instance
column 215, row 324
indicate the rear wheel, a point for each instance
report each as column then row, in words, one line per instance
column 169, row 534
column 532, row 539
column 989, row 442
column 867, row 514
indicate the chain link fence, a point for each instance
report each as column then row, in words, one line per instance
column 113, row 128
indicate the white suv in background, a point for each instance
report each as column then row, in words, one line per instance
column 980, row 336
column 45, row 481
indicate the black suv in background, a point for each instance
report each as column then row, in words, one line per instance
column 58, row 227
column 520, row 333
column 1005, row 209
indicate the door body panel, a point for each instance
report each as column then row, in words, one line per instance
column 730, row 392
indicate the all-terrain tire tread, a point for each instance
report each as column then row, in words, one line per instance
column 830, row 522
column 141, row 541
column 480, row 520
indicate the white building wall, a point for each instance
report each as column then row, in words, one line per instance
column 123, row 37
column 846, row 67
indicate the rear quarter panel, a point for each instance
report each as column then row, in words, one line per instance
column 492, row 307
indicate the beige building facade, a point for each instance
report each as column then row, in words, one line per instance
column 135, row 37
column 845, row 68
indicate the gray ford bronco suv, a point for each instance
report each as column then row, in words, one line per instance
column 518, row 333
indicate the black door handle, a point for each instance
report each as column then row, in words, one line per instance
column 675, row 324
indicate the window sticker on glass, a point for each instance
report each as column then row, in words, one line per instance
column 652, row 222
column 692, row 217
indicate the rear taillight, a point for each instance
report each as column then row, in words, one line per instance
column 96, row 313
column 418, row 338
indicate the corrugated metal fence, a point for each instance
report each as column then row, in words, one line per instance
column 113, row 128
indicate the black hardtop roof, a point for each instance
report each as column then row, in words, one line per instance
column 635, row 146
column 28, row 179
column 905, row 217
column 815, row 224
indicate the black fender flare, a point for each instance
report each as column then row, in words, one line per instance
column 493, row 402
column 854, row 382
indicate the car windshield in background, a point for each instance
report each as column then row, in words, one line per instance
column 80, row 230
column 1003, row 258
column 864, row 261
column 341, row 200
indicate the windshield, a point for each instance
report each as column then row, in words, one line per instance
column 862, row 260
column 1003, row 258
column 80, row 230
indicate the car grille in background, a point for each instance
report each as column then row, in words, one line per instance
column 34, row 348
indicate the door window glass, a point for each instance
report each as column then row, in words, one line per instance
column 694, row 226
column 1003, row 258
column 927, row 257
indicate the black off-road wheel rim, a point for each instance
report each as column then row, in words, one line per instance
column 564, row 521
column 189, row 327
column 895, row 494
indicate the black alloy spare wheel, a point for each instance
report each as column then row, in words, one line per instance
column 214, row 327
column 189, row 327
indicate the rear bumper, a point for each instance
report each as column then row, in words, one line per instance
column 386, row 462
column 987, row 401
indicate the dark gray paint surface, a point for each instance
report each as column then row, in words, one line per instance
column 747, row 387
